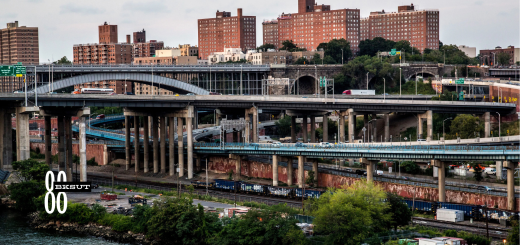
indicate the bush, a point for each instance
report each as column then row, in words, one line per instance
column 24, row 194
column 36, row 155
column 79, row 212
column 92, row 162
column 410, row 167
column 118, row 222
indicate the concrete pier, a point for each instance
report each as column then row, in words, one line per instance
column 180, row 143
column 6, row 140
column 171, row 131
column 146, row 143
column 510, row 166
column 82, row 149
column 127, row 142
column 275, row 170
column 487, row 124
column 61, row 143
column 315, row 169
column 304, row 129
column 313, row 129
column 442, row 179
column 156, row 152
column 189, row 131
column 48, row 145
column 342, row 127
column 325, row 128
column 301, row 172
column 162, row 122
column 68, row 138
column 351, row 125
column 387, row 127
column 136, row 142
column 289, row 161
column 23, row 142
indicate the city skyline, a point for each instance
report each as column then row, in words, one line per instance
column 76, row 22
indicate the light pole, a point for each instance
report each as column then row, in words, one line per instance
column 369, row 137
column 241, row 92
column 384, row 89
column 153, row 92
column 341, row 56
column 49, row 75
column 316, row 78
column 125, row 84
column 444, row 134
column 399, row 81
column 367, row 80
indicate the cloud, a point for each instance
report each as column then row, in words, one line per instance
column 478, row 3
column 73, row 8
column 146, row 7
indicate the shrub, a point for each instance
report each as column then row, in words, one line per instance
column 23, row 194
column 92, row 162
column 118, row 222
column 79, row 212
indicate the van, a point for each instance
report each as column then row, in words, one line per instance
column 420, row 140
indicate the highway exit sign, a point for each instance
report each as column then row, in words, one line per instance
column 6, row 71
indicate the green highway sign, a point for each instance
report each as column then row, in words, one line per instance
column 6, row 71
column 393, row 51
column 459, row 81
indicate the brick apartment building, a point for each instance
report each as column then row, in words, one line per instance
column 107, row 33
column 226, row 31
column 107, row 51
column 146, row 49
column 17, row 44
column 312, row 25
column 188, row 50
column 489, row 56
column 419, row 27
column 140, row 36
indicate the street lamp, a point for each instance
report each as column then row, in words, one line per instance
column 499, row 125
column 125, row 84
column 399, row 81
column 241, row 92
column 384, row 89
column 153, row 92
column 444, row 134
column 367, row 80
column 316, row 78
column 341, row 56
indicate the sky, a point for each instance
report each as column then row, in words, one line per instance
column 63, row 23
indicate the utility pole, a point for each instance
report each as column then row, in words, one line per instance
column 207, row 194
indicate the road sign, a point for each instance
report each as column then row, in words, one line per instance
column 6, row 71
column 19, row 70
column 459, row 81
column 393, row 52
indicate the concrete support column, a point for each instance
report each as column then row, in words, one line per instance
column 301, row 173
column 180, row 143
column 419, row 127
column 304, row 129
column 387, row 127
column 155, row 130
column 487, row 125
column 499, row 167
column 510, row 184
column 247, row 129
column 136, row 142
column 325, row 128
column 365, row 120
column 442, row 179
column 351, row 125
column 374, row 128
column 342, row 127
column 171, row 131
column 197, row 163
column 275, row 170
column 68, row 137
column 162, row 123
column 370, row 168
column 429, row 125
column 189, row 131
column 61, row 143
column 238, row 165
column 289, row 171
column 255, row 125
column 48, row 144
column 315, row 170
column 23, row 146
column 127, row 142
column 313, row 129
column 146, row 143
column 82, row 149
column 293, row 129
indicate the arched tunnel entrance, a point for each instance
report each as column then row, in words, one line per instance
column 424, row 75
column 306, row 85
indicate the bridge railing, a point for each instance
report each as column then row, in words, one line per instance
column 45, row 65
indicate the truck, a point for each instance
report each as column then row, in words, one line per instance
column 359, row 92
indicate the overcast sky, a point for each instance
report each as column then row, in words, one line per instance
column 63, row 23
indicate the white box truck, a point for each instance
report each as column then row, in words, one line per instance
column 450, row 215
column 447, row 241
column 359, row 92
column 430, row 242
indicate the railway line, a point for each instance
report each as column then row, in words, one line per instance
column 494, row 232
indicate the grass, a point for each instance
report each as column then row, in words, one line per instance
column 426, row 216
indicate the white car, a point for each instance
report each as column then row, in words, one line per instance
column 276, row 144
column 325, row 145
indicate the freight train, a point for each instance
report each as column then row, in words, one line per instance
column 262, row 190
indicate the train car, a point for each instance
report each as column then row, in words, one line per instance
column 424, row 206
column 309, row 193
column 253, row 188
column 222, row 184
column 277, row 191
column 202, row 184
column 469, row 210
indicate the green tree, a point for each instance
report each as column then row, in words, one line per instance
column 316, row 59
column 260, row 227
column 283, row 126
column 357, row 69
column 334, row 49
column 31, row 169
column 290, row 46
column 378, row 44
column 24, row 193
column 503, row 58
column 237, row 62
column 512, row 236
column 350, row 215
column 401, row 214
column 63, row 61
column 310, row 179
column 329, row 60
column 265, row 47
column 466, row 126
column 410, row 167
column 301, row 61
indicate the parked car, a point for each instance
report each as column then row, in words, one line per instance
column 52, row 93
column 349, row 170
column 325, row 145
column 379, row 172
column 190, row 94
column 18, row 92
column 100, row 116
column 276, row 144
column 484, row 188
column 300, row 144
column 420, row 140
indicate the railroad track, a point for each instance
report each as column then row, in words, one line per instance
column 239, row 197
column 494, row 232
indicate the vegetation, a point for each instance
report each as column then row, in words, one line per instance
column 401, row 214
column 466, row 126
column 265, row 47
column 333, row 50
column 354, row 74
column 503, row 58
column 62, row 61
column 411, row 86
column 92, row 162
column 283, row 126
column 290, row 46
column 236, row 62
column 310, row 179
column 32, row 177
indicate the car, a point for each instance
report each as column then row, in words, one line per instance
column 325, row 145
column 361, row 172
column 52, row 92
column 276, row 144
column 94, row 186
column 421, row 140
column 129, row 93
column 349, row 170
column 305, row 97
column 18, row 92
column 190, row 94
column 214, row 93
column 300, row 144
column 484, row 188
column 100, row 116
column 472, row 186
column 379, row 172
column 405, row 178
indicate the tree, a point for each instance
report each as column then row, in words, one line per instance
column 329, row 60
column 284, row 126
column 512, row 236
column 24, row 194
column 410, row 167
column 371, row 47
column 350, row 215
column 357, row 69
column 316, row 59
column 31, row 169
column 310, row 179
column 333, row 49
column 290, row 46
column 265, row 47
column 301, row 61
column 63, row 61
column 466, row 126
column 401, row 214
column 503, row 58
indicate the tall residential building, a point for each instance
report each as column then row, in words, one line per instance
column 104, row 53
column 315, row 24
column 146, row 49
column 225, row 31
column 419, row 27
column 270, row 32
column 19, row 44
column 107, row 33
column 140, row 36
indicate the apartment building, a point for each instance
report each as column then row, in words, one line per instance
column 146, row 49
column 19, row 44
column 314, row 24
column 104, row 53
column 226, row 31
column 107, row 33
column 490, row 56
column 270, row 32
